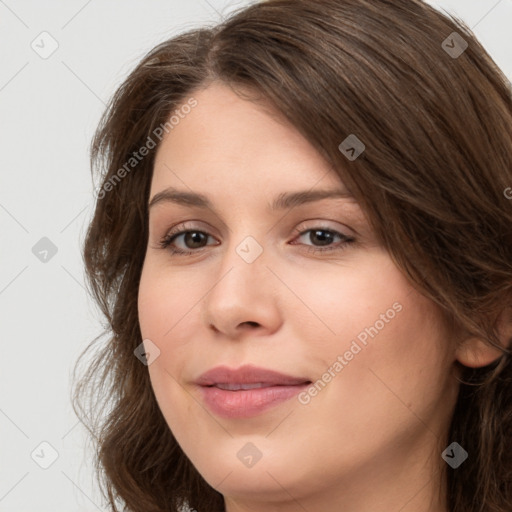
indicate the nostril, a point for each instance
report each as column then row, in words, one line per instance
column 252, row 324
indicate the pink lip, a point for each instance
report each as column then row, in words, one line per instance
column 278, row 388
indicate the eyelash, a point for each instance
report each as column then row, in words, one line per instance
column 167, row 240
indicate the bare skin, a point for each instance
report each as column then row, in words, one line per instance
column 372, row 437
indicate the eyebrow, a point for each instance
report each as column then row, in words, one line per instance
column 281, row 202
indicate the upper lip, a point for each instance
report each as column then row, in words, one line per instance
column 248, row 374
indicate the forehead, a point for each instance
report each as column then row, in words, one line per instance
column 240, row 145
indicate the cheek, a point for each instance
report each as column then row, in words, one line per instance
column 398, row 376
column 399, row 332
column 160, row 308
column 384, row 347
column 165, row 302
column 360, row 299
column 168, row 305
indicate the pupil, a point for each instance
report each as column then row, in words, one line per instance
column 323, row 239
column 193, row 237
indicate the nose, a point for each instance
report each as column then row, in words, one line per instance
column 244, row 297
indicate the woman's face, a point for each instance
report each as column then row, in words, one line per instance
column 256, row 289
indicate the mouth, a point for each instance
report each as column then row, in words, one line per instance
column 238, row 387
column 248, row 374
column 247, row 391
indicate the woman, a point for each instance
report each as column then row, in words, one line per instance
column 302, row 245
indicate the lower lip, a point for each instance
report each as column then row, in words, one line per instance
column 248, row 402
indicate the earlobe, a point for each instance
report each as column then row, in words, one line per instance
column 475, row 353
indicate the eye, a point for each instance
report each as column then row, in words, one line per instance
column 325, row 236
column 196, row 240
column 193, row 239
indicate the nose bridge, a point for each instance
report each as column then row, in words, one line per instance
column 246, row 246
column 243, row 291
column 243, row 267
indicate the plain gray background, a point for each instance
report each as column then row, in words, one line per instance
column 49, row 108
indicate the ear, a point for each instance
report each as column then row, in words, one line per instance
column 475, row 352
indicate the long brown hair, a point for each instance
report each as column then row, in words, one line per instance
column 435, row 117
